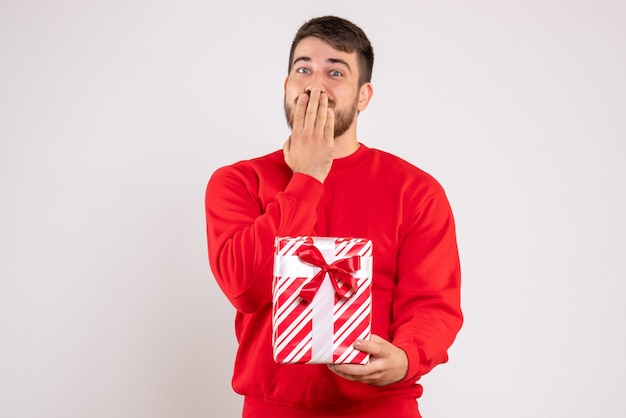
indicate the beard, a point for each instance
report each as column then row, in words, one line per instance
column 343, row 117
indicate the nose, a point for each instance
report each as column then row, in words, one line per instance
column 308, row 88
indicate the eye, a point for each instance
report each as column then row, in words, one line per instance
column 303, row 70
column 336, row 73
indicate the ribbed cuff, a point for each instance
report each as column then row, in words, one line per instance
column 415, row 357
column 306, row 189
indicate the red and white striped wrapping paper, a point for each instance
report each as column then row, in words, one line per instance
column 324, row 329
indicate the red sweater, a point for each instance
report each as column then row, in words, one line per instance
column 416, row 280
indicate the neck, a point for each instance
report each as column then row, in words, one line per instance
column 346, row 144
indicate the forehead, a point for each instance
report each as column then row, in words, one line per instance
column 316, row 48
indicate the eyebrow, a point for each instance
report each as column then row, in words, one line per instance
column 330, row 60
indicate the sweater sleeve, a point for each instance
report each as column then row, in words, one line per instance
column 426, row 310
column 241, row 231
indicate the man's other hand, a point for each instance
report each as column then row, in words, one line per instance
column 388, row 363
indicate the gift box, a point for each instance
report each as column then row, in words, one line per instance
column 322, row 299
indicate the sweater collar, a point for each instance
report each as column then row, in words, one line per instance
column 351, row 161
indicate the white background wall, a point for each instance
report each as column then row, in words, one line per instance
column 113, row 115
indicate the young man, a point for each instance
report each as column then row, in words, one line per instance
column 325, row 183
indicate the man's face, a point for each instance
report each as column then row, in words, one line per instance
column 317, row 64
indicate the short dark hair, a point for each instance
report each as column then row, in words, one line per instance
column 342, row 35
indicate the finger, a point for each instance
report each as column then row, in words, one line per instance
column 322, row 115
column 312, row 108
column 350, row 371
column 329, row 127
column 355, row 372
column 300, row 111
column 375, row 346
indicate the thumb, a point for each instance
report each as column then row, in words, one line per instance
column 374, row 346
column 286, row 151
column 287, row 144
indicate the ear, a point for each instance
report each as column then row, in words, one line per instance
column 365, row 95
column 285, row 84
